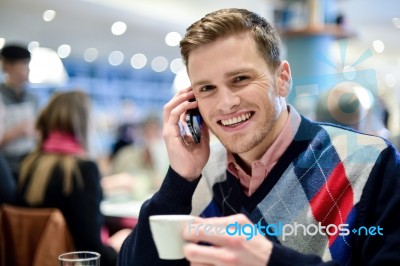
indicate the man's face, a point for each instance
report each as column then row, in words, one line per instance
column 236, row 92
column 18, row 71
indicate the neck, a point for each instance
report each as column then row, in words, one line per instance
column 62, row 143
column 17, row 87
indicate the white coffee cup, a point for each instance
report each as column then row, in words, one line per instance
column 167, row 231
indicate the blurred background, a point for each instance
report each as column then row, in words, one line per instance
column 125, row 53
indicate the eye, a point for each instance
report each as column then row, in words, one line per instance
column 207, row 88
column 240, row 79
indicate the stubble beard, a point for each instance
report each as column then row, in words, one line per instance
column 241, row 143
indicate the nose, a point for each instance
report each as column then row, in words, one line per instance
column 227, row 99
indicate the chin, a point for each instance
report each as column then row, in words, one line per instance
column 238, row 145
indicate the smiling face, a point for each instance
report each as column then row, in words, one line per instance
column 240, row 100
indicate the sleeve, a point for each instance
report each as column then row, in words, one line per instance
column 174, row 197
column 85, row 219
column 378, row 208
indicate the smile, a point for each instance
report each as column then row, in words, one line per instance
column 236, row 120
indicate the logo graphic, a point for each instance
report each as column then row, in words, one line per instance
column 347, row 96
column 282, row 230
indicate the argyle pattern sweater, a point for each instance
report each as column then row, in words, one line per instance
column 328, row 177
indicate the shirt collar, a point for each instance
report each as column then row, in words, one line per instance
column 270, row 157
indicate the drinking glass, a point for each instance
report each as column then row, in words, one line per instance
column 79, row 258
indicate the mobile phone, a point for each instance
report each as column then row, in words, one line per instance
column 194, row 120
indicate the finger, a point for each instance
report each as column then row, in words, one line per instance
column 177, row 106
column 183, row 91
column 175, row 114
column 172, row 104
column 188, row 140
column 208, row 255
column 182, row 119
column 182, row 94
column 205, row 135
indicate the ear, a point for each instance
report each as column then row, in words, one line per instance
column 283, row 79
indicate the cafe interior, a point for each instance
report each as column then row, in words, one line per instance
column 125, row 55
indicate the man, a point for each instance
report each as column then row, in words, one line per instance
column 305, row 185
column 20, row 106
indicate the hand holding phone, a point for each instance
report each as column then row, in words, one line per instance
column 185, row 156
column 193, row 121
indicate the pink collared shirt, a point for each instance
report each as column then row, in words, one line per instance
column 261, row 168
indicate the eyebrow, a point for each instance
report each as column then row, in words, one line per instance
column 226, row 75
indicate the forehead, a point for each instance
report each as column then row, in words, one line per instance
column 225, row 54
column 17, row 63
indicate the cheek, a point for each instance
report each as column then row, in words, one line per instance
column 263, row 97
column 206, row 111
column 22, row 72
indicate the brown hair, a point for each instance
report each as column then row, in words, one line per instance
column 67, row 112
column 226, row 22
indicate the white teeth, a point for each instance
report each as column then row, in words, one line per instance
column 235, row 120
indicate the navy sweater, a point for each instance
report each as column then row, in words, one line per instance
column 328, row 175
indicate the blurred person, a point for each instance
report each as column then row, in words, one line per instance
column 7, row 181
column 21, row 106
column 155, row 149
column 57, row 174
column 136, row 169
column 118, row 180
column 125, row 137
column 273, row 168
